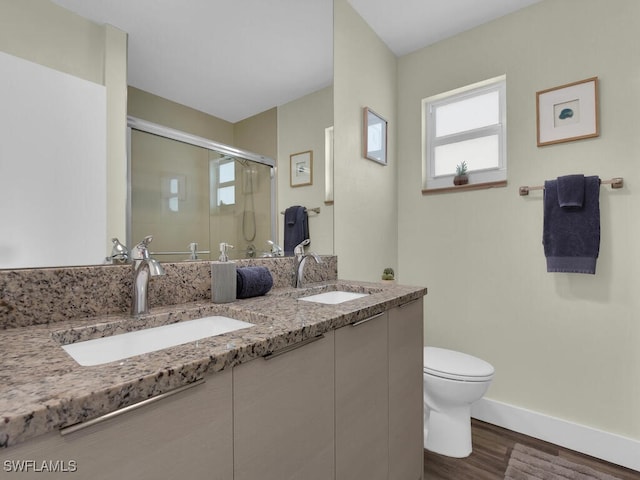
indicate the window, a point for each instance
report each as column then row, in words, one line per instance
column 465, row 125
column 223, row 179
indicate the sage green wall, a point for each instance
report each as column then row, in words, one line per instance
column 44, row 33
column 115, row 80
column 565, row 345
column 365, row 192
column 258, row 133
column 301, row 127
column 153, row 108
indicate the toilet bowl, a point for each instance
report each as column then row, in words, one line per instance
column 453, row 381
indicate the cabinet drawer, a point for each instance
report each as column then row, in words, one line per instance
column 362, row 406
column 283, row 415
column 186, row 435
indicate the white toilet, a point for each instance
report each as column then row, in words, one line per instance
column 452, row 382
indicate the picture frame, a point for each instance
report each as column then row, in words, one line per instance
column 301, row 168
column 568, row 112
column 374, row 136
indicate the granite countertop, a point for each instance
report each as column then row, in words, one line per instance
column 43, row 389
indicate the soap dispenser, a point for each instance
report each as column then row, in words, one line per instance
column 223, row 277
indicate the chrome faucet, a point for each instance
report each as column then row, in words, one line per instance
column 276, row 250
column 193, row 249
column 301, row 258
column 119, row 253
column 144, row 267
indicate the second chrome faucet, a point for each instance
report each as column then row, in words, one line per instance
column 301, row 258
column 144, row 267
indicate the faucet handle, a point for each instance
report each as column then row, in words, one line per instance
column 146, row 240
column 298, row 251
column 140, row 251
column 276, row 249
column 119, row 253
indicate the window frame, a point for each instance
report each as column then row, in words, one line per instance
column 477, row 178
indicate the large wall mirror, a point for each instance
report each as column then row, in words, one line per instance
column 247, row 221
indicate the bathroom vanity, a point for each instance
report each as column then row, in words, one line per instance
column 310, row 391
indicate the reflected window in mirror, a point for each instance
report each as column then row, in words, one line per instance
column 223, row 174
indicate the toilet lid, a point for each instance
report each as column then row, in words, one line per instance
column 456, row 365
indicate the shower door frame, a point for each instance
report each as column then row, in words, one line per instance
column 134, row 123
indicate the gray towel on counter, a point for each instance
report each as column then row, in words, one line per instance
column 253, row 281
column 571, row 234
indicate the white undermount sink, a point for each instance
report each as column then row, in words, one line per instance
column 334, row 297
column 125, row 345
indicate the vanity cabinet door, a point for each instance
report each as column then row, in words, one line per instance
column 187, row 435
column 362, row 400
column 406, row 451
column 283, row 415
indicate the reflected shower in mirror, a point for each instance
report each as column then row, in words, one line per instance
column 192, row 194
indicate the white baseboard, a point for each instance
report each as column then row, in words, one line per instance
column 596, row 443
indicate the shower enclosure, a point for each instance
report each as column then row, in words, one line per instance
column 192, row 193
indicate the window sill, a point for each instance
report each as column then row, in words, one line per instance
column 465, row 188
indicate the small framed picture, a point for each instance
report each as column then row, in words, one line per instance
column 374, row 137
column 568, row 112
column 301, row 168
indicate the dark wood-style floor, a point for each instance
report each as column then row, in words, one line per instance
column 491, row 450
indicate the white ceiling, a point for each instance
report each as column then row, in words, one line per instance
column 408, row 25
column 235, row 58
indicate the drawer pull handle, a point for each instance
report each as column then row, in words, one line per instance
column 290, row 348
column 80, row 426
column 360, row 322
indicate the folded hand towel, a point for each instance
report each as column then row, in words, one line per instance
column 253, row 281
column 571, row 236
column 296, row 227
column 571, row 191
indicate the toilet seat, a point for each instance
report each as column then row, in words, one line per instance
column 453, row 365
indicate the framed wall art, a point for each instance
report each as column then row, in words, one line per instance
column 301, row 168
column 374, row 136
column 568, row 112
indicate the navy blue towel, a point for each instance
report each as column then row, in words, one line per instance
column 253, row 281
column 571, row 236
column 296, row 227
column 571, row 191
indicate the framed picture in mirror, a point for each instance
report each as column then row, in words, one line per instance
column 374, row 136
column 301, row 168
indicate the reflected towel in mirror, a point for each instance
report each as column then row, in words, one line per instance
column 296, row 227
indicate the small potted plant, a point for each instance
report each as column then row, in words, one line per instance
column 461, row 177
column 388, row 275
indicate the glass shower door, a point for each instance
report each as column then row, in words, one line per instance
column 192, row 198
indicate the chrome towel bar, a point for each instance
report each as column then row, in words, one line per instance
column 617, row 182
column 308, row 210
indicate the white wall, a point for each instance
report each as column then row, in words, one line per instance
column 46, row 34
column 301, row 127
column 564, row 345
column 365, row 192
column 53, row 175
